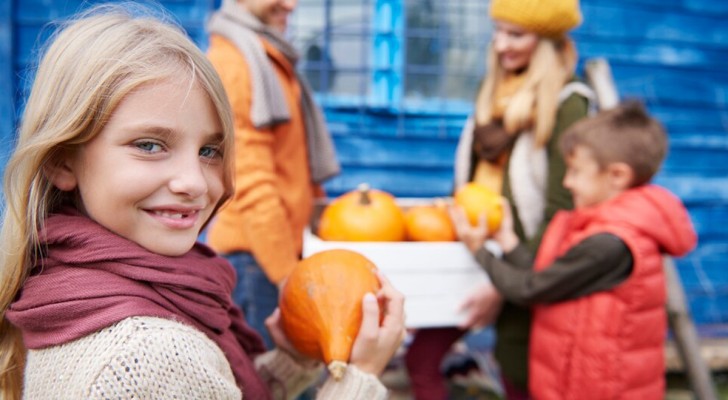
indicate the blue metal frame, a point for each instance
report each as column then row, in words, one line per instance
column 388, row 54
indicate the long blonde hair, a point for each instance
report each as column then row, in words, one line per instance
column 90, row 65
column 552, row 65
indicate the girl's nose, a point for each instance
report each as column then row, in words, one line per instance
column 189, row 178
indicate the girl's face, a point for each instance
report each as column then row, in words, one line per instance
column 154, row 174
column 513, row 46
column 273, row 13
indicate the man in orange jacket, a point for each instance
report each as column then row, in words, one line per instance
column 283, row 151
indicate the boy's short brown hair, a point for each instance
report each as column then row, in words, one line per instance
column 626, row 134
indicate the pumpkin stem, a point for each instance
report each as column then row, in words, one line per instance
column 363, row 189
column 337, row 369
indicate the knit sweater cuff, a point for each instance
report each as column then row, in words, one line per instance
column 354, row 385
column 284, row 376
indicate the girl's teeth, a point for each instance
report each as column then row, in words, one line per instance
column 171, row 215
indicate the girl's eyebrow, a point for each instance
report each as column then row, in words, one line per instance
column 156, row 130
column 217, row 137
column 169, row 133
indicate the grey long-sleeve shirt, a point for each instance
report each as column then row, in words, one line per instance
column 599, row 262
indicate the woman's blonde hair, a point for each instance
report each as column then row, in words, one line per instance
column 534, row 105
column 90, row 66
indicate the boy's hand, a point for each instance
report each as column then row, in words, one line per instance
column 472, row 236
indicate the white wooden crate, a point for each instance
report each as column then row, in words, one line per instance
column 435, row 277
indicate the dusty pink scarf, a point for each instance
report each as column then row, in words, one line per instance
column 90, row 278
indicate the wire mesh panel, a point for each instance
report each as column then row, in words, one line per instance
column 406, row 56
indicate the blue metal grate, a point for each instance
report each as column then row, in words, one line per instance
column 400, row 56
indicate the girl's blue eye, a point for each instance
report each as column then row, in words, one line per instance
column 148, row 146
column 210, row 152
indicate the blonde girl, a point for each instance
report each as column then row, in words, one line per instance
column 123, row 156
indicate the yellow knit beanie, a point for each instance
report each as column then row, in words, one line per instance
column 550, row 18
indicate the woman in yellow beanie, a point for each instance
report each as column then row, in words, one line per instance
column 527, row 99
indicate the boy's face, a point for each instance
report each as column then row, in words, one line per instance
column 273, row 13
column 154, row 173
column 588, row 183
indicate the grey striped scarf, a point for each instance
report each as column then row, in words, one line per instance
column 268, row 101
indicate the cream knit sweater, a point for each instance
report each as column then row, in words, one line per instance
column 154, row 358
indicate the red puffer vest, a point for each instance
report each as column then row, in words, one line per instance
column 609, row 345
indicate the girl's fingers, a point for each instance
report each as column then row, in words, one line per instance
column 370, row 317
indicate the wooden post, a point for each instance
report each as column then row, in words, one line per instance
column 599, row 76
column 686, row 337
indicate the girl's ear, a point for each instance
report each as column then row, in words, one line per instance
column 61, row 175
column 621, row 175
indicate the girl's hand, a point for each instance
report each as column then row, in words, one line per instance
column 482, row 306
column 273, row 323
column 472, row 236
column 376, row 343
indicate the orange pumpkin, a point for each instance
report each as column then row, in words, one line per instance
column 363, row 215
column 477, row 199
column 321, row 302
column 429, row 223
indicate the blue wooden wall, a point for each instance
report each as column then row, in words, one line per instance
column 671, row 53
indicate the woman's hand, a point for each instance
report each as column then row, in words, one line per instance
column 376, row 343
column 482, row 306
column 472, row 236
column 506, row 236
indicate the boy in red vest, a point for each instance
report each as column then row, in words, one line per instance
column 596, row 286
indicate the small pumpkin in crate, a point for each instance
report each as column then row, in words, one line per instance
column 321, row 305
column 429, row 223
column 363, row 215
column 477, row 199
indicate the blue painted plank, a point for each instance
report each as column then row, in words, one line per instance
column 672, row 85
column 708, row 308
column 710, row 221
column 682, row 118
column 34, row 29
column 345, row 123
column 186, row 12
column 696, row 189
column 705, row 161
column 401, row 182
column 651, row 53
column 711, row 7
column 699, row 7
column 660, row 25
column 395, row 152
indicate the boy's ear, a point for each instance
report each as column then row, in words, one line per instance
column 621, row 175
column 60, row 174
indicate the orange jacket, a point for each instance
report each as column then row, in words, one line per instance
column 273, row 198
column 609, row 345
